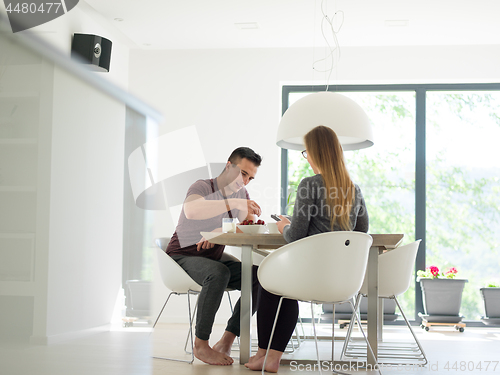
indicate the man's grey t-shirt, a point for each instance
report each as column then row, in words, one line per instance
column 187, row 233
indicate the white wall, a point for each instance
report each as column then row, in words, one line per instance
column 80, row 228
column 233, row 97
column 86, row 210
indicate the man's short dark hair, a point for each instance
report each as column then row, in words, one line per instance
column 247, row 153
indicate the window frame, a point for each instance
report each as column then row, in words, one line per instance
column 420, row 157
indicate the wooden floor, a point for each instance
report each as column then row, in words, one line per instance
column 128, row 351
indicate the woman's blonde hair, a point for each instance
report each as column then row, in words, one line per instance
column 324, row 148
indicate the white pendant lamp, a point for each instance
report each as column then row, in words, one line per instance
column 336, row 111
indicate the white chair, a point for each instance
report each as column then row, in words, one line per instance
column 324, row 268
column 395, row 275
column 180, row 283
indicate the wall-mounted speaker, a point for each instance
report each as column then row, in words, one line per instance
column 92, row 50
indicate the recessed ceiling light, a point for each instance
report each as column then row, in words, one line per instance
column 247, row 25
column 118, row 19
column 396, row 23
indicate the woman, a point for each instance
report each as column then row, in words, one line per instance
column 328, row 201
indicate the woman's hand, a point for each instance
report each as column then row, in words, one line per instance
column 281, row 224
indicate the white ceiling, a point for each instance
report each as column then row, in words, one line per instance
column 193, row 24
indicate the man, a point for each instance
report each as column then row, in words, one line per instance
column 207, row 203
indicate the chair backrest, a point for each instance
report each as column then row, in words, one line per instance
column 327, row 267
column 395, row 269
column 173, row 276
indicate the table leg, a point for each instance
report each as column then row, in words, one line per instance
column 246, row 304
column 380, row 319
column 373, row 303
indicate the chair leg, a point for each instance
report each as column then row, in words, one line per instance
column 290, row 347
column 230, row 301
column 350, row 327
column 232, row 311
column 420, row 357
column 315, row 339
column 300, row 338
column 193, row 315
column 333, row 344
column 161, row 312
column 411, row 330
column 191, row 326
column 366, row 338
column 302, row 328
column 272, row 334
column 190, row 331
column 333, row 334
column 292, row 343
column 297, row 337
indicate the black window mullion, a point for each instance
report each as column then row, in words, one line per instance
column 420, row 193
column 284, row 155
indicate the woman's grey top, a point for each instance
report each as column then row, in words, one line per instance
column 311, row 213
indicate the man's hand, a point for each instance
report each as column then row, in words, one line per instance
column 253, row 208
column 204, row 244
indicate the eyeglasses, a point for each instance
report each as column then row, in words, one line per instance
column 304, row 154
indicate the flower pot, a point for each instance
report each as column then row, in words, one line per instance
column 491, row 298
column 442, row 296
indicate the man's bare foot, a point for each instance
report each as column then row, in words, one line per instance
column 223, row 348
column 206, row 354
column 272, row 363
column 225, row 343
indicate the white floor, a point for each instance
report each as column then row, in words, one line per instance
column 128, row 351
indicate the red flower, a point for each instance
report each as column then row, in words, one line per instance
column 452, row 270
column 434, row 270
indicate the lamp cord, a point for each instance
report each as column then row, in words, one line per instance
column 314, row 45
column 332, row 48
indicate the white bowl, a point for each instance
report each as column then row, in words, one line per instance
column 253, row 228
column 273, row 228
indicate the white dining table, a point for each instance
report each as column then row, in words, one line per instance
column 250, row 243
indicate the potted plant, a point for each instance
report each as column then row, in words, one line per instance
column 491, row 298
column 442, row 294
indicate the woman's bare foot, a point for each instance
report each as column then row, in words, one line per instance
column 260, row 353
column 206, row 354
column 225, row 343
column 272, row 363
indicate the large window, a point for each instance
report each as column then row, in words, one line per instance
column 463, row 190
column 447, row 196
